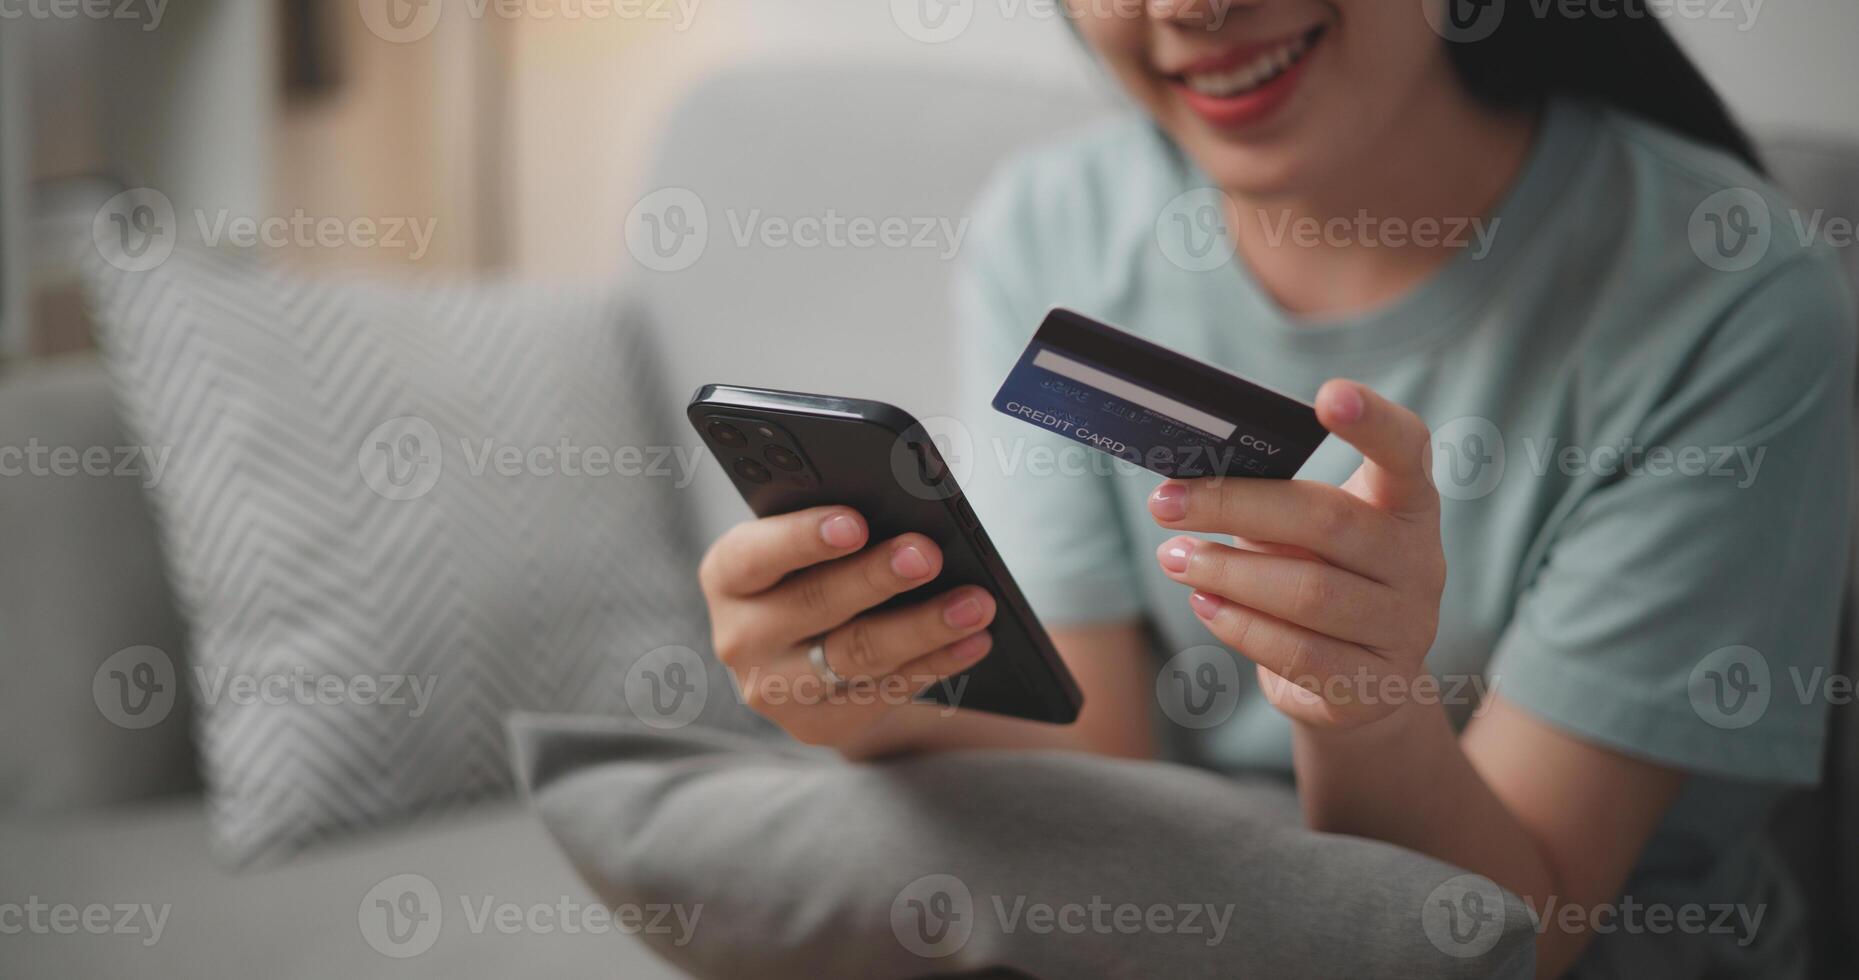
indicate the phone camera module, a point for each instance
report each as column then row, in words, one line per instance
column 784, row 458
column 728, row 435
column 752, row 471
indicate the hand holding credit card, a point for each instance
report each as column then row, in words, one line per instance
column 1148, row 405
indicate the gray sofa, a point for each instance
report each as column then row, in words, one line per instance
column 93, row 813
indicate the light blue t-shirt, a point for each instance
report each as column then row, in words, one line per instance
column 1641, row 408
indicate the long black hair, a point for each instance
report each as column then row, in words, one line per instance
column 1627, row 61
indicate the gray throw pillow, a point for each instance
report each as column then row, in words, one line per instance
column 394, row 515
column 786, row 862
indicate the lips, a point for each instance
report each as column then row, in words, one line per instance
column 1246, row 84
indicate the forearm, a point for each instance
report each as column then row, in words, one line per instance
column 1406, row 780
column 1510, row 799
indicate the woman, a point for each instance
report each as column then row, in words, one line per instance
column 1608, row 320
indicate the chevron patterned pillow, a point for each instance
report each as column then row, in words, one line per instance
column 393, row 516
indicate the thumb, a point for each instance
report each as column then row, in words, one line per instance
column 1396, row 446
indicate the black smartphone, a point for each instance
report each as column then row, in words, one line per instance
column 787, row 452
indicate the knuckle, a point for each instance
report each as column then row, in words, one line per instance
column 1303, row 663
column 1335, row 518
column 728, row 642
column 1313, row 591
column 814, row 594
column 861, row 648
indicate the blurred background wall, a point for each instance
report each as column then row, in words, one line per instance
column 521, row 133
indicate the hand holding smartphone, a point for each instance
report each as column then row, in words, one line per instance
column 789, row 453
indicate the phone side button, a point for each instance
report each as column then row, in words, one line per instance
column 966, row 513
column 983, row 545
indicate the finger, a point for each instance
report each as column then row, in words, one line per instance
column 1299, row 655
column 877, row 645
column 816, row 600
column 948, row 661
column 1311, row 594
column 1396, row 446
column 752, row 556
column 1326, row 521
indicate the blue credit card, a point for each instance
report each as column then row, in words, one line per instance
column 1148, row 405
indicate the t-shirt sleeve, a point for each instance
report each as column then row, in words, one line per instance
column 1686, row 608
column 1052, row 515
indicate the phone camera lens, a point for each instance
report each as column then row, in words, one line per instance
column 728, row 435
column 784, row 458
column 752, row 471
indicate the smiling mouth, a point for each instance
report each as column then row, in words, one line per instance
column 1254, row 73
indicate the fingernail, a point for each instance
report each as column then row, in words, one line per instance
column 962, row 613
column 909, row 562
column 841, row 531
column 1205, row 606
column 1169, row 502
column 971, row 647
column 1347, row 405
column 1174, row 554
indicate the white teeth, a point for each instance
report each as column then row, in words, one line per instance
column 1253, row 74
